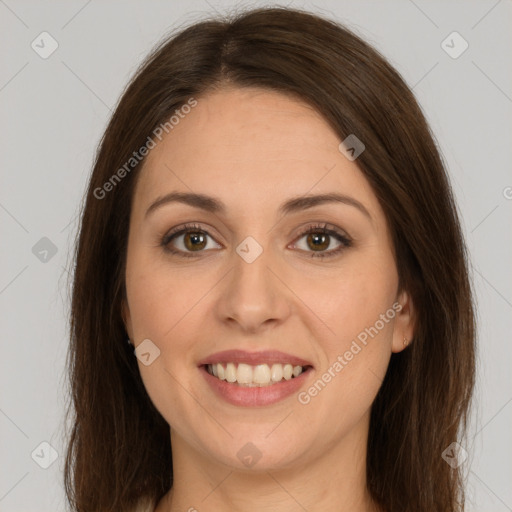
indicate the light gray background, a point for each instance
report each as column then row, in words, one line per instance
column 53, row 112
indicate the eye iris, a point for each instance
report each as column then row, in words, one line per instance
column 316, row 237
column 191, row 239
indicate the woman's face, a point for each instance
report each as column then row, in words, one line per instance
column 246, row 287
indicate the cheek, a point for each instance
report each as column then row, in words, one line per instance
column 353, row 300
column 161, row 302
column 356, row 304
column 158, row 296
column 167, row 307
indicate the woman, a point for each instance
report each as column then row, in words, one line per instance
column 270, row 225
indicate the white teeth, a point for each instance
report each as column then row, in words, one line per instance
column 261, row 374
column 244, row 374
column 297, row 370
column 230, row 372
column 277, row 372
column 287, row 371
column 252, row 376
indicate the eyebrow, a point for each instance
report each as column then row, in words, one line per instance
column 295, row 204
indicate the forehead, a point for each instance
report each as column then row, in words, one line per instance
column 248, row 146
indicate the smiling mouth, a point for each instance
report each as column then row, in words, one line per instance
column 260, row 375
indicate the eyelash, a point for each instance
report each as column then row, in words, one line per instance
column 317, row 229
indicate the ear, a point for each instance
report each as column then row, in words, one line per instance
column 404, row 322
column 127, row 319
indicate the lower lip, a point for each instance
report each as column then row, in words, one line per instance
column 255, row 396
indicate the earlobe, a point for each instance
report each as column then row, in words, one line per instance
column 403, row 332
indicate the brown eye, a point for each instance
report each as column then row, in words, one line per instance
column 194, row 241
column 187, row 240
column 318, row 241
column 321, row 241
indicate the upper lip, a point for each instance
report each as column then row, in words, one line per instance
column 254, row 358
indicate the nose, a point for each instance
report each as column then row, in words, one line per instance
column 254, row 297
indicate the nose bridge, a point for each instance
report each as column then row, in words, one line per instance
column 253, row 295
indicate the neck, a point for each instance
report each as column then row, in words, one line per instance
column 333, row 481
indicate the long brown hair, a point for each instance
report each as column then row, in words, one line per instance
column 119, row 448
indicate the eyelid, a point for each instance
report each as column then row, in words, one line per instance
column 182, row 230
column 331, row 230
column 325, row 228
